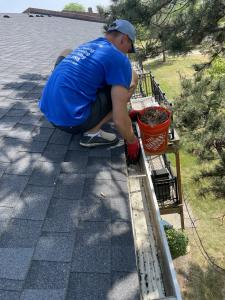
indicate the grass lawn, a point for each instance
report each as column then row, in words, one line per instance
column 203, row 282
column 198, row 280
column 168, row 74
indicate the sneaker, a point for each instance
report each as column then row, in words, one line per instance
column 99, row 139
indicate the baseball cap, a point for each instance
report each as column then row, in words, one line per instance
column 125, row 27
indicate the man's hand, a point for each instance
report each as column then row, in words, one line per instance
column 133, row 151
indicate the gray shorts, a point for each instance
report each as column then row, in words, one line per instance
column 99, row 109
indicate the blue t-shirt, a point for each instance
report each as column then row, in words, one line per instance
column 72, row 87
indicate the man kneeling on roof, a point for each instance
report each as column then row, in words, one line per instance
column 92, row 85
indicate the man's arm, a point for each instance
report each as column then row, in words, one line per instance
column 120, row 96
column 134, row 82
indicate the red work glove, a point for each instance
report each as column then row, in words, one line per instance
column 133, row 151
column 133, row 113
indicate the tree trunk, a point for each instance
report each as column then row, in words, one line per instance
column 164, row 56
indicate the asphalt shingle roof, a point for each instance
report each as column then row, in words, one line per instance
column 65, row 227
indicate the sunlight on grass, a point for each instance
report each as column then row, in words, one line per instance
column 208, row 213
column 168, row 74
column 208, row 210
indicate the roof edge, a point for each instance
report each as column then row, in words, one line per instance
column 91, row 17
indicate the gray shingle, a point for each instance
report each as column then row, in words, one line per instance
column 21, row 131
column 60, row 137
column 11, row 186
column 74, row 144
column 62, row 215
column 24, row 164
column 93, row 234
column 91, row 259
column 118, row 161
column 47, row 275
column 42, row 133
column 88, row 286
column 3, row 167
column 20, row 105
column 2, row 133
column 123, row 259
column 120, row 209
column 120, row 189
column 125, row 286
column 9, row 295
column 37, row 146
column 43, row 122
column 9, row 149
column 33, row 203
column 93, row 209
column 3, row 226
column 10, row 284
column 54, row 153
column 117, row 151
column 101, row 152
column 121, row 234
column 101, row 189
column 55, row 247
column 14, row 263
column 75, row 162
column 3, row 110
column 16, row 112
column 45, row 174
column 25, row 96
column 5, row 213
column 98, row 164
column 104, row 174
column 21, row 234
column 31, row 118
column 76, row 167
column 27, row 86
column 39, row 294
column 7, row 123
column 21, row 82
column 15, row 95
column 119, row 173
column 4, row 104
column 69, row 186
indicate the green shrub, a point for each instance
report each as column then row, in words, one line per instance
column 177, row 241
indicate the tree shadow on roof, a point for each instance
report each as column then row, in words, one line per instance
column 48, row 177
column 28, row 87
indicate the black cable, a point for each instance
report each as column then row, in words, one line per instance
column 202, row 249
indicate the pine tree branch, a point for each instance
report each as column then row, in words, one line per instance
column 217, row 29
column 208, row 64
column 182, row 7
column 167, row 15
column 155, row 10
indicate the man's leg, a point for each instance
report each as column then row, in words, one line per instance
column 106, row 119
column 101, row 113
column 97, row 137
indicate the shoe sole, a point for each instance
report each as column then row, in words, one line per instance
column 98, row 144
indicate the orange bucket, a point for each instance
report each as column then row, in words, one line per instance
column 155, row 137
